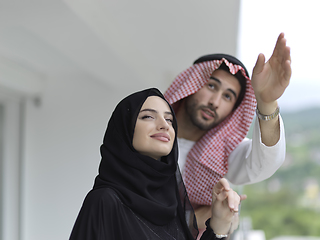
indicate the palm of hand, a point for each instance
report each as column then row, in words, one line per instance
column 270, row 79
column 270, row 83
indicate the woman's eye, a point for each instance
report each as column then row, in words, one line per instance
column 170, row 120
column 146, row 117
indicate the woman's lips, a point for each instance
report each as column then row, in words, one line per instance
column 161, row 136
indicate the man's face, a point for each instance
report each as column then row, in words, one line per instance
column 214, row 101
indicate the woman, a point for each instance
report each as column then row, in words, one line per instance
column 138, row 193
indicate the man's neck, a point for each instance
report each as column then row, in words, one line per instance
column 186, row 129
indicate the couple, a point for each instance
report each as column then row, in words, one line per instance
column 139, row 193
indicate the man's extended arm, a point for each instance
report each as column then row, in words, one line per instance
column 269, row 81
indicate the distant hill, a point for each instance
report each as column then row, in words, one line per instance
column 304, row 120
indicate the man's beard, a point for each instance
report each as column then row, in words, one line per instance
column 191, row 108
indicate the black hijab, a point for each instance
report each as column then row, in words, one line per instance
column 147, row 186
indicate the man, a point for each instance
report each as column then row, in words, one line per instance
column 214, row 101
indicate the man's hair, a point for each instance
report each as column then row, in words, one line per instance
column 242, row 80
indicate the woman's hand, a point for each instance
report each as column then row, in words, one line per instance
column 224, row 208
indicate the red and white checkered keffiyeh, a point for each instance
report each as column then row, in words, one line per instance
column 207, row 161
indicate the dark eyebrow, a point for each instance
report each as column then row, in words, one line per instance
column 154, row 111
column 149, row 110
column 216, row 79
column 219, row 82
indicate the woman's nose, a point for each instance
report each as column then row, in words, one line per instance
column 162, row 123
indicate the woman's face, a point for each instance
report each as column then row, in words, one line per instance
column 154, row 134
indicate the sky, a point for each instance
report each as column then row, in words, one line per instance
column 260, row 24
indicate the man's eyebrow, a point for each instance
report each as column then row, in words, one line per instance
column 154, row 111
column 229, row 89
column 216, row 79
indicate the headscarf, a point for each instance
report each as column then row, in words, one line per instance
column 145, row 185
column 207, row 161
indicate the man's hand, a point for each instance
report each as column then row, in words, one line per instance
column 270, row 79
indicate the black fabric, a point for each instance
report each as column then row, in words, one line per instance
column 107, row 217
column 145, row 186
column 209, row 234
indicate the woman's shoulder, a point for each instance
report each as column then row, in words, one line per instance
column 103, row 202
column 103, row 196
column 99, row 211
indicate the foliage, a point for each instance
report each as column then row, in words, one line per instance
column 277, row 214
column 288, row 203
